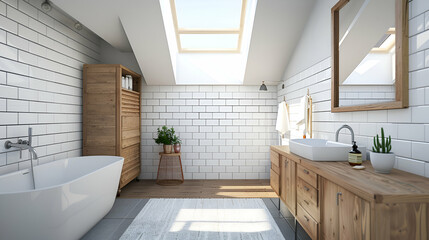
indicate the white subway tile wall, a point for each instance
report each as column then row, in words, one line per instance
column 226, row 130
column 41, row 59
column 408, row 127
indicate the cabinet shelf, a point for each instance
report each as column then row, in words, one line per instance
column 130, row 91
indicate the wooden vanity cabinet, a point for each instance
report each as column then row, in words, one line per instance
column 334, row 202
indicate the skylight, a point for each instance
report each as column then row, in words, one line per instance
column 386, row 43
column 209, row 25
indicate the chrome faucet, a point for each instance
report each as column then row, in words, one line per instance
column 24, row 145
column 349, row 128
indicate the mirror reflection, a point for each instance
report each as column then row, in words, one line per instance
column 367, row 52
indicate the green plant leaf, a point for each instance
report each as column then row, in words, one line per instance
column 378, row 142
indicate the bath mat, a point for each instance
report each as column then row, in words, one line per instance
column 204, row 219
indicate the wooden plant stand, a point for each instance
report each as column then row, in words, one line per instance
column 168, row 169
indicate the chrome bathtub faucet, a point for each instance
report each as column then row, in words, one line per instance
column 25, row 145
column 349, row 128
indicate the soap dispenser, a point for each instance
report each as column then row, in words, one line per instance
column 355, row 156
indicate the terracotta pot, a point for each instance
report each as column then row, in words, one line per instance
column 176, row 148
column 168, row 148
column 382, row 162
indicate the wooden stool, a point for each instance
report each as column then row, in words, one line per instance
column 166, row 169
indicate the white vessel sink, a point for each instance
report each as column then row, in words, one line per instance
column 322, row 150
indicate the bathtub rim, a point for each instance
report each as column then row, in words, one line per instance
column 118, row 159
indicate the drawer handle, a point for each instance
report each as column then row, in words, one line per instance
column 306, row 188
column 306, row 202
column 338, row 197
column 306, row 218
column 306, row 171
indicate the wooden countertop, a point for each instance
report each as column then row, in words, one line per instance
column 397, row 187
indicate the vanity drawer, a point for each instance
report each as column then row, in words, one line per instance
column 275, row 162
column 307, row 175
column 275, row 181
column 307, row 222
column 307, row 197
column 275, row 169
column 275, row 159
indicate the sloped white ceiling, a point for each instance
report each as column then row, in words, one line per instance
column 148, row 41
column 277, row 27
column 101, row 17
column 276, row 31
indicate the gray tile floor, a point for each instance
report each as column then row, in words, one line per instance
column 114, row 224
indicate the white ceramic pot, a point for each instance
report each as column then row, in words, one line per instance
column 382, row 162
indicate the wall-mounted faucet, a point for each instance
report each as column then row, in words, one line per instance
column 349, row 128
column 24, row 145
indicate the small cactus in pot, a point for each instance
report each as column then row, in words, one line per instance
column 381, row 158
column 385, row 146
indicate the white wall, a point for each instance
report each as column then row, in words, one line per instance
column 315, row 42
column 41, row 58
column 227, row 130
column 111, row 55
column 408, row 127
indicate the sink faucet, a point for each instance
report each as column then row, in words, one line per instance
column 25, row 145
column 349, row 128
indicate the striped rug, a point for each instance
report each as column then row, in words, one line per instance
column 207, row 219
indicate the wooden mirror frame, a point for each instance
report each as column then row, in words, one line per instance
column 401, row 65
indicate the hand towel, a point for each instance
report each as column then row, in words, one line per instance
column 282, row 124
column 303, row 114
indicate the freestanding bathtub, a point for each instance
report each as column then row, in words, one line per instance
column 71, row 196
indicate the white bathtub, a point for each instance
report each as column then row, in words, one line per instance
column 71, row 196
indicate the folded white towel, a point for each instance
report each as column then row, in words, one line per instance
column 282, row 124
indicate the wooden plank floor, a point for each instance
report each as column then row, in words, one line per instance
column 200, row 189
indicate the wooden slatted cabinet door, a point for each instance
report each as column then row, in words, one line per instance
column 130, row 135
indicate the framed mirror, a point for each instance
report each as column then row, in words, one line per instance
column 369, row 55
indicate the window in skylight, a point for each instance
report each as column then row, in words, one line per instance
column 208, row 25
column 386, row 43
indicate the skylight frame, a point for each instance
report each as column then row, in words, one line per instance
column 391, row 32
column 180, row 31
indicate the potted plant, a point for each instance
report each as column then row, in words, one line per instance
column 381, row 158
column 177, row 143
column 165, row 137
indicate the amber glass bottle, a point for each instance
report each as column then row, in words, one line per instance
column 355, row 156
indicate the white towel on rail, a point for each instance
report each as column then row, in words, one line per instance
column 303, row 113
column 282, row 124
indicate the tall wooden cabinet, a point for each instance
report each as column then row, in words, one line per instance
column 111, row 116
